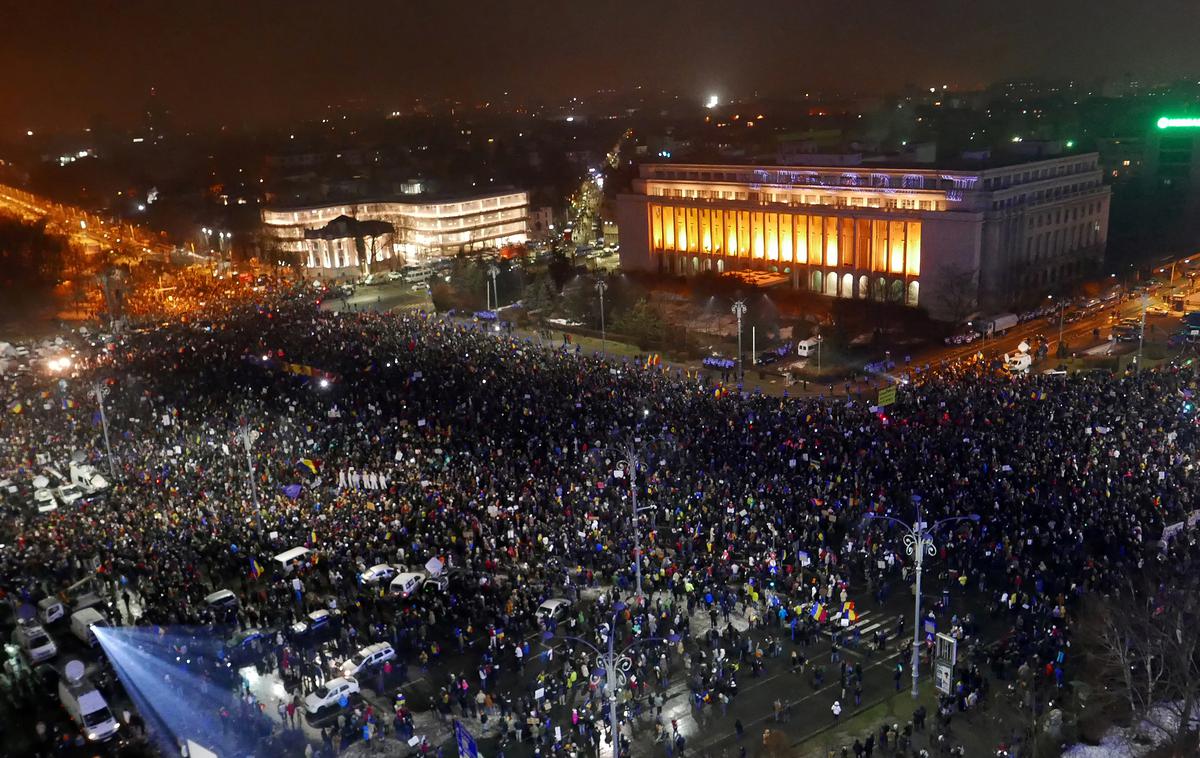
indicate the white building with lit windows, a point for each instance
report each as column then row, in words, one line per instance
column 424, row 230
column 984, row 235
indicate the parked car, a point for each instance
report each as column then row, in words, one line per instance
column 85, row 705
column 331, row 693
column 436, row 584
column 221, row 599
column 50, row 609
column 68, row 493
column 317, row 622
column 555, row 608
column 84, row 621
column 382, row 572
column 367, row 658
column 405, row 584
column 43, row 500
column 35, row 643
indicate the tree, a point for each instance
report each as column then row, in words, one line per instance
column 643, row 322
column 561, row 269
column 1143, row 654
column 955, row 291
column 541, row 295
column 468, row 279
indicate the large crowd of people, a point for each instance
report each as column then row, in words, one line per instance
column 397, row 438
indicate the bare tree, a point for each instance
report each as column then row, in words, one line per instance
column 1143, row 652
column 955, row 290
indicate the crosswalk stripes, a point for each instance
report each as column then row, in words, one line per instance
column 867, row 623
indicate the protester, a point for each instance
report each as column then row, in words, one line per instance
column 405, row 438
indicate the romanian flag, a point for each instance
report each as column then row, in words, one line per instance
column 68, row 403
column 255, row 569
column 818, row 612
column 16, row 406
column 309, row 464
column 849, row 612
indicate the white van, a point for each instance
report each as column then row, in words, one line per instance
column 83, row 621
column 50, row 609
column 404, row 585
column 287, row 560
column 808, row 347
column 86, row 705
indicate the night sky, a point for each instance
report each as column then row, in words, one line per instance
column 241, row 62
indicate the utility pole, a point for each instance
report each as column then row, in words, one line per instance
column 98, row 390
column 601, row 285
column 739, row 310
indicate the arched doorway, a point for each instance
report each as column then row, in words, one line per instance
column 914, row 291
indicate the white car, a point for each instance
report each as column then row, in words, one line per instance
column 43, row 499
column 330, row 693
column 368, row 657
column 68, row 493
column 1158, row 310
column 554, row 608
column 381, row 572
column 35, row 643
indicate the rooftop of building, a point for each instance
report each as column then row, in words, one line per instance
column 425, row 198
column 956, row 164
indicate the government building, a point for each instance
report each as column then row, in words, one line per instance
column 414, row 230
column 971, row 237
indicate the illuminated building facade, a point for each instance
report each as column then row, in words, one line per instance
column 915, row 236
column 423, row 230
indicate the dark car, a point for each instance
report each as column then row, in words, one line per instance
column 767, row 358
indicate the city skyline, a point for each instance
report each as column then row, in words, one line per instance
column 236, row 64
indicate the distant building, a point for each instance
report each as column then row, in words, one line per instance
column 952, row 240
column 541, row 222
column 422, row 229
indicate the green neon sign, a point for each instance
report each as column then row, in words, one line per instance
column 1177, row 123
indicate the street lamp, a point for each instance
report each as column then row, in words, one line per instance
column 1062, row 304
column 918, row 540
column 630, row 464
column 1142, row 331
column 98, row 391
column 493, row 272
column 247, row 440
column 739, row 310
column 601, row 285
column 616, row 665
